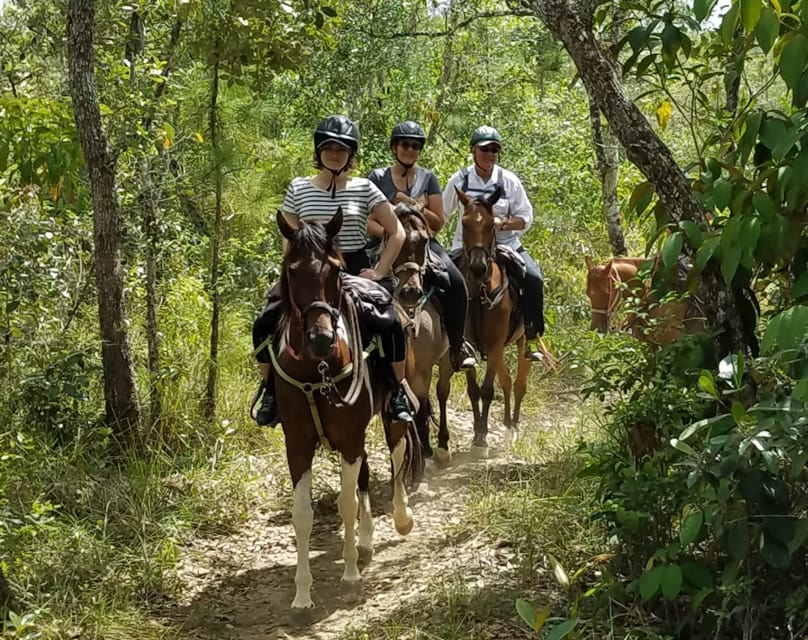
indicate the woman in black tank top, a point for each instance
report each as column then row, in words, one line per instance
column 406, row 182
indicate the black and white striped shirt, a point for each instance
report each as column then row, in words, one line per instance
column 311, row 204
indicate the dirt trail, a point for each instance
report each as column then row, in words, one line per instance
column 242, row 586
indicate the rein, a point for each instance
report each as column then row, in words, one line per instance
column 327, row 386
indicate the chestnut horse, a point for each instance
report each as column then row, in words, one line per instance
column 608, row 284
column 324, row 395
column 428, row 343
column 494, row 318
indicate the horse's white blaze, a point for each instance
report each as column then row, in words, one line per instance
column 303, row 520
column 366, row 524
column 348, row 507
column 479, row 217
column 402, row 514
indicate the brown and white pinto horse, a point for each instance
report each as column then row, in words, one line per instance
column 494, row 319
column 608, row 284
column 428, row 343
column 325, row 397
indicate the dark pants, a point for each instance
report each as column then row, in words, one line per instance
column 383, row 321
column 454, row 299
column 533, row 296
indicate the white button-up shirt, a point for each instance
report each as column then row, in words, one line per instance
column 513, row 203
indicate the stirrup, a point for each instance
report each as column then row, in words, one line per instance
column 532, row 351
column 463, row 358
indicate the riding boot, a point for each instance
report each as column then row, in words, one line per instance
column 267, row 414
column 462, row 356
column 399, row 407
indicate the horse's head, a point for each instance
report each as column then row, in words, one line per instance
column 479, row 235
column 410, row 264
column 310, row 281
column 600, row 290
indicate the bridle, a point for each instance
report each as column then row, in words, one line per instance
column 489, row 297
column 319, row 304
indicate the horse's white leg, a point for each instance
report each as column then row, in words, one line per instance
column 402, row 514
column 348, row 507
column 366, row 527
column 303, row 520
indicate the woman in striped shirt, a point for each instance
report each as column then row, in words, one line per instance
column 316, row 199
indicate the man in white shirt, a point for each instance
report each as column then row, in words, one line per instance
column 513, row 217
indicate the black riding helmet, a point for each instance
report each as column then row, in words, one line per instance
column 407, row 130
column 337, row 129
column 341, row 130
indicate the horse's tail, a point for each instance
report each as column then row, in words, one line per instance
column 413, row 459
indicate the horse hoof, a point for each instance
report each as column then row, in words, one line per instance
column 404, row 525
column 350, row 587
column 442, row 457
column 511, row 435
column 479, row 452
column 365, row 554
column 301, row 616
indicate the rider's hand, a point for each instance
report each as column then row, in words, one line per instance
column 371, row 274
column 403, row 197
column 498, row 222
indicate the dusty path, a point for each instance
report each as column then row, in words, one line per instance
column 242, row 586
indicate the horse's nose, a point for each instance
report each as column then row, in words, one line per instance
column 477, row 269
column 320, row 342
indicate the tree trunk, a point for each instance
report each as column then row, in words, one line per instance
column 571, row 23
column 213, row 363
column 608, row 157
column 120, row 390
column 6, row 597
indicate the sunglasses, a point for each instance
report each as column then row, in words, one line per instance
column 416, row 146
column 492, row 148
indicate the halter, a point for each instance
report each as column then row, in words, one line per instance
column 613, row 298
column 320, row 304
column 492, row 297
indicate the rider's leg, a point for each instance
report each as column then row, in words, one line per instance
column 454, row 299
column 533, row 305
column 265, row 326
column 394, row 345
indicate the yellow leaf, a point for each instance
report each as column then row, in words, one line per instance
column 776, row 6
column 199, row 137
column 166, row 143
column 663, row 114
column 541, row 618
column 55, row 190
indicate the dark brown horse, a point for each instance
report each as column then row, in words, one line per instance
column 428, row 343
column 608, row 284
column 325, row 397
column 494, row 319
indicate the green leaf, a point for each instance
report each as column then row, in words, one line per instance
column 730, row 259
column 738, row 538
column 637, row 38
column 695, row 603
column 679, row 445
column 764, row 204
column 767, row 29
column 561, row 630
column 559, row 572
column 526, row 612
column 701, row 424
column 707, row 384
column 750, row 14
column 640, row 197
column 672, row 248
column 772, row 131
column 728, row 25
column 697, row 574
column 702, row 8
column 722, row 192
column 650, row 582
column 800, row 535
column 787, row 329
column 671, row 581
column 793, row 60
column 691, row 525
column 714, row 167
column 706, row 251
column 329, row 11
column 800, row 288
column 774, row 553
column 694, row 234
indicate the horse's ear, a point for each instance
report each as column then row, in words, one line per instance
column 462, row 195
column 590, row 264
column 496, row 195
column 334, row 225
column 287, row 231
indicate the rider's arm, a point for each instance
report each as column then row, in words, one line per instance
column 375, row 227
column 521, row 212
column 383, row 213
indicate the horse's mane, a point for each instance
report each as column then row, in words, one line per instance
column 308, row 239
